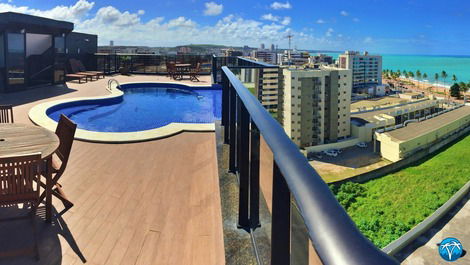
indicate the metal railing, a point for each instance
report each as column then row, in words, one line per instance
column 333, row 234
column 112, row 82
column 148, row 63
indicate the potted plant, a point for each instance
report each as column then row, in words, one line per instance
column 126, row 63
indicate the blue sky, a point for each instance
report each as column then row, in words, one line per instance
column 381, row 26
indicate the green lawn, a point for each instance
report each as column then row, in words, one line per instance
column 386, row 208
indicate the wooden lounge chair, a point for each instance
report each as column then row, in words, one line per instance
column 6, row 114
column 65, row 131
column 81, row 68
column 76, row 70
column 17, row 177
column 194, row 73
column 78, row 77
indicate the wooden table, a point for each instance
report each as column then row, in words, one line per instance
column 181, row 69
column 21, row 139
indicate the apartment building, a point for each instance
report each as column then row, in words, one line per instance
column 315, row 104
column 267, row 86
column 321, row 59
column 366, row 69
column 293, row 58
column 232, row 52
column 264, row 56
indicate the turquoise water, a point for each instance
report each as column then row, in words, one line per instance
column 429, row 64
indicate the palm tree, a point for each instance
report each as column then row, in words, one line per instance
column 444, row 76
column 425, row 76
column 436, row 77
column 454, row 78
column 418, row 76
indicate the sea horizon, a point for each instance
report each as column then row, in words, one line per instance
column 458, row 65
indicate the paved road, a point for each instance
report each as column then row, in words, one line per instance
column 426, row 253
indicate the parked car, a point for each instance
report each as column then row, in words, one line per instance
column 339, row 151
column 361, row 145
column 330, row 153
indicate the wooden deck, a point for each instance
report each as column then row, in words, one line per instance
column 155, row 202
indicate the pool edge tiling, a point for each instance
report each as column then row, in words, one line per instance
column 38, row 115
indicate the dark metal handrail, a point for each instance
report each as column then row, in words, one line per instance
column 334, row 235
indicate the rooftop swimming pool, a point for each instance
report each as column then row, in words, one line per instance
column 143, row 106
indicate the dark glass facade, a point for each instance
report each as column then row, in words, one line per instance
column 33, row 50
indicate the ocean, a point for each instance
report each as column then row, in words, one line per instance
column 429, row 64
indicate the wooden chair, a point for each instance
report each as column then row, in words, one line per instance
column 195, row 73
column 17, row 177
column 6, row 114
column 171, row 68
column 66, row 132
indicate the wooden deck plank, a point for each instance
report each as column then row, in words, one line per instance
column 155, row 202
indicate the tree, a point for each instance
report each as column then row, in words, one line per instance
column 463, row 87
column 418, row 76
column 425, row 76
column 444, row 76
column 455, row 90
column 454, row 78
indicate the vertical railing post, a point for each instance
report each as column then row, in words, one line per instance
column 232, row 128
column 243, row 164
column 254, row 175
column 225, row 106
column 281, row 212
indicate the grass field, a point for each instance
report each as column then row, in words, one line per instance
column 370, row 103
column 386, row 208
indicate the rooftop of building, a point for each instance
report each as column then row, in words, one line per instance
column 18, row 20
column 369, row 116
column 413, row 130
column 156, row 202
column 357, row 53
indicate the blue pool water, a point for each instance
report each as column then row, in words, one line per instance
column 144, row 107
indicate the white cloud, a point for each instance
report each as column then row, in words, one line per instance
column 111, row 16
column 320, row 21
column 213, row 9
column 270, row 17
column 329, row 32
column 181, row 22
column 344, row 13
column 129, row 28
column 279, row 5
column 286, row 21
column 368, row 40
column 355, row 19
column 70, row 13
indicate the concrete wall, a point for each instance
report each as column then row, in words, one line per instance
column 338, row 145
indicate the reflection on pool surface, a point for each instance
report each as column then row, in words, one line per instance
column 143, row 108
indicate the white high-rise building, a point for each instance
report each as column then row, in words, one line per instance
column 367, row 69
column 315, row 104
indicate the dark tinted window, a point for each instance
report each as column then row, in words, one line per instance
column 59, row 43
